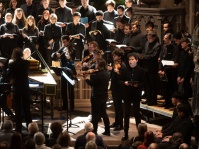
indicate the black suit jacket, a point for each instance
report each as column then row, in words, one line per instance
column 64, row 14
column 52, row 32
column 32, row 12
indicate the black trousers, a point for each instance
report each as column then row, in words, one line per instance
column 117, row 101
column 67, row 92
column 133, row 98
column 21, row 101
column 99, row 110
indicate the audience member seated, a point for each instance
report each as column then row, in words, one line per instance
column 91, row 145
column 148, row 139
column 64, row 140
column 174, row 141
column 81, row 140
column 56, row 128
column 142, row 128
column 30, row 144
column 183, row 126
column 153, row 146
column 6, row 132
column 16, row 141
column 32, row 129
column 39, row 139
column 57, row 146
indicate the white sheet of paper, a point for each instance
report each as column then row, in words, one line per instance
column 111, row 40
column 109, row 26
column 167, row 63
column 121, row 45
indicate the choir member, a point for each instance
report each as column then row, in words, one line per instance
column 44, row 6
column 40, row 25
column 64, row 14
column 29, row 8
column 12, row 7
column 52, row 37
column 77, row 31
column 9, row 33
column 111, row 13
column 30, row 34
column 99, row 31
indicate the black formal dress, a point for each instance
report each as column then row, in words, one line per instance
column 52, row 31
column 6, row 46
column 18, row 70
column 80, row 29
column 133, row 96
column 99, row 83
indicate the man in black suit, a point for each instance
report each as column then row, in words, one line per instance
column 29, row 8
column 52, row 37
column 77, row 31
column 99, row 25
column 64, row 14
column 88, row 11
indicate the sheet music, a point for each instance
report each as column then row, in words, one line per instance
column 109, row 26
column 167, row 63
column 84, row 20
column 72, row 82
column 121, row 45
column 111, row 40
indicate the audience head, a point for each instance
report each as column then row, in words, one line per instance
column 90, row 136
column 142, row 128
column 167, row 38
column 117, row 54
column 184, row 146
column 13, row 4
column 56, row 128
column 56, row 146
column 129, row 12
column 33, row 128
column 91, row 145
column 76, row 17
column 64, row 139
column 127, row 29
column 45, row 3
column 53, row 18
column 65, row 40
column 88, row 127
column 16, row 141
column 30, row 144
column 62, row 3
column 85, row 3
column 4, row 145
column 148, row 138
column 185, row 43
column 176, row 139
column 177, row 97
column 26, row 53
column 120, row 22
column 7, row 125
column 92, row 46
column 183, row 110
column 39, row 138
column 110, row 5
column 153, row 146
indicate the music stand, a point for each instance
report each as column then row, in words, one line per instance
column 63, row 71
